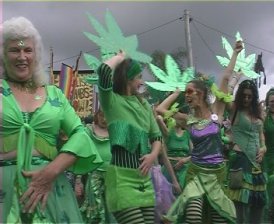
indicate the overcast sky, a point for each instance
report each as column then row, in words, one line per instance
column 61, row 25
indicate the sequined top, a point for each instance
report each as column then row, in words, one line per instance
column 207, row 144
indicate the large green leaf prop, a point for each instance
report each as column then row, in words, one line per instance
column 243, row 63
column 171, row 79
column 94, row 63
column 111, row 39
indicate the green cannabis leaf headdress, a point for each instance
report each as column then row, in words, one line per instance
column 243, row 63
column 111, row 39
column 171, row 79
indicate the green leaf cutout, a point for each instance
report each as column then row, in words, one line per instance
column 171, row 79
column 243, row 63
column 112, row 39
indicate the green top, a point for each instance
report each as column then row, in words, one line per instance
column 130, row 120
column 42, row 130
column 269, row 134
column 103, row 146
column 246, row 135
column 177, row 145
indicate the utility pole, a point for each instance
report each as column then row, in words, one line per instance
column 188, row 39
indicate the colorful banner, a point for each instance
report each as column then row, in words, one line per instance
column 65, row 81
column 83, row 97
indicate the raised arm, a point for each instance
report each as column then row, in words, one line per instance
column 114, row 61
column 224, row 88
column 105, row 83
column 163, row 107
column 230, row 68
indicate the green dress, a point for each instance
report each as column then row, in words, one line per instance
column 131, row 125
column 39, row 130
column 246, row 136
column 268, row 161
column 269, row 142
column 94, row 207
column 177, row 146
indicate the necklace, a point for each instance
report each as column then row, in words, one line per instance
column 28, row 86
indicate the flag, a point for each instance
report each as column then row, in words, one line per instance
column 74, row 78
column 65, row 79
column 51, row 67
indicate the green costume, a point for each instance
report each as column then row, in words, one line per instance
column 131, row 124
column 269, row 142
column 268, row 161
column 246, row 136
column 94, row 207
column 39, row 130
column 205, row 175
column 177, row 146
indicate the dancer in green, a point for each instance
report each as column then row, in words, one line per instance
column 33, row 186
column 94, row 207
column 131, row 125
column 269, row 155
column 247, row 182
column 177, row 145
column 203, row 199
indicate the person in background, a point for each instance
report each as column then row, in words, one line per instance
column 34, row 188
column 94, row 207
column 131, row 125
column 177, row 145
column 247, row 184
column 203, row 199
column 268, row 161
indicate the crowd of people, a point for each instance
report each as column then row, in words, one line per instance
column 133, row 163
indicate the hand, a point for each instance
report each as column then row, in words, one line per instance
column 121, row 54
column 146, row 163
column 238, row 46
column 178, row 91
column 180, row 163
column 260, row 155
column 79, row 190
column 176, row 187
column 38, row 190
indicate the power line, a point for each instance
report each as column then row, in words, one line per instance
column 206, row 44
column 180, row 18
column 228, row 35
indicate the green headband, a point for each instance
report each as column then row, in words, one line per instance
column 134, row 69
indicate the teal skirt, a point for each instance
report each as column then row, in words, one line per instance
column 61, row 206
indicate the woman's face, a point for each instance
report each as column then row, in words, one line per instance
column 135, row 84
column 271, row 103
column 19, row 59
column 192, row 95
column 247, row 98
